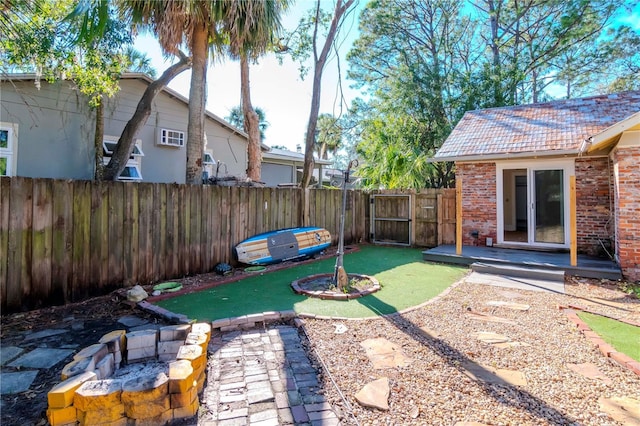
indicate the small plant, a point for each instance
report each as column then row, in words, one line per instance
column 630, row 288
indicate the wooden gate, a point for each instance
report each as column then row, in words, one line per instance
column 424, row 219
column 391, row 217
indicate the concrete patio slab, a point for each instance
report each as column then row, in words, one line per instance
column 519, row 283
column 41, row 358
column 17, row 382
column 45, row 333
column 8, row 353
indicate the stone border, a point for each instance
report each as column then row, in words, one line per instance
column 333, row 295
column 89, row 395
column 607, row 350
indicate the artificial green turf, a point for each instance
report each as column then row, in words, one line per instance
column 623, row 337
column 406, row 281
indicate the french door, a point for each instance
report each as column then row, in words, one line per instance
column 533, row 207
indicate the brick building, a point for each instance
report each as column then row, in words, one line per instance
column 515, row 166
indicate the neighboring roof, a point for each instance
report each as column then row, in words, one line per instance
column 286, row 155
column 550, row 128
column 148, row 80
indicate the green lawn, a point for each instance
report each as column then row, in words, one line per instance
column 406, row 281
column 623, row 337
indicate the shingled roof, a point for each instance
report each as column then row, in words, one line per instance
column 549, row 128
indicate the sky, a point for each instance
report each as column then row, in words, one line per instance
column 277, row 89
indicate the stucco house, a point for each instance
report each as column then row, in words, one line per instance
column 47, row 131
column 523, row 170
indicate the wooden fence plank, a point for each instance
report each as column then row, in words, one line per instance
column 131, row 244
column 205, row 238
column 19, row 193
column 172, row 259
column 195, row 244
column 81, row 236
column 145, row 239
column 5, row 203
column 185, row 228
column 98, row 228
column 216, row 224
column 42, row 240
column 62, row 244
column 159, row 231
column 115, row 194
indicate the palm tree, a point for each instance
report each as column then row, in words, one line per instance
column 329, row 135
column 251, row 26
column 236, row 117
column 193, row 23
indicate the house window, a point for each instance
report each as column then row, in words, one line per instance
column 208, row 159
column 7, row 149
column 131, row 171
column 171, row 138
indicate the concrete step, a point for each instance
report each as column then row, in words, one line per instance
column 518, row 271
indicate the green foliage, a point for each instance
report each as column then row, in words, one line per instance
column 423, row 64
column 46, row 42
column 329, row 135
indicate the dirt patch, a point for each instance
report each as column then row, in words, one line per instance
column 85, row 323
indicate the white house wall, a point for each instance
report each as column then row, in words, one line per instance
column 52, row 122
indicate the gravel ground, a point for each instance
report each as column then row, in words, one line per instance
column 432, row 388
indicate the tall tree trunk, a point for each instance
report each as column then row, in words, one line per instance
column 197, row 102
column 251, row 123
column 97, row 140
column 125, row 145
column 319, row 62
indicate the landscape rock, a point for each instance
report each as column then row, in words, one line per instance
column 375, row 394
column 136, row 294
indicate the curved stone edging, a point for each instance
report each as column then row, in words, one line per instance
column 607, row 350
column 332, row 295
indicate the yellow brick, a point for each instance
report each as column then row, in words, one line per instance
column 202, row 327
column 113, row 337
column 61, row 395
column 198, row 372
column 189, row 352
column 188, row 411
column 180, row 376
column 183, row 399
column 106, row 415
column 76, row 367
column 62, row 416
column 147, row 409
column 98, row 395
column 161, row 419
column 200, row 382
column 199, row 362
column 139, row 390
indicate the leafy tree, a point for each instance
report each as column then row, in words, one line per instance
column 236, row 117
column 307, row 42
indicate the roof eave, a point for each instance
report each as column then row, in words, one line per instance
column 506, row 156
column 611, row 135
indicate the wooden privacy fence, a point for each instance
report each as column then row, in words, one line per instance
column 62, row 241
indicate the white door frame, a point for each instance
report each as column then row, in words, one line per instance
column 568, row 167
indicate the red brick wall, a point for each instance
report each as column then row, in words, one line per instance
column 627, row 207
column 478, row 201
column 593, row 205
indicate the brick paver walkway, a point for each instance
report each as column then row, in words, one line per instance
column 262, row 377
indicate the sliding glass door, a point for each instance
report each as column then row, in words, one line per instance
column 532, row 203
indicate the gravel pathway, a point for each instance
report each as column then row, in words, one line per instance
column 441, row 342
